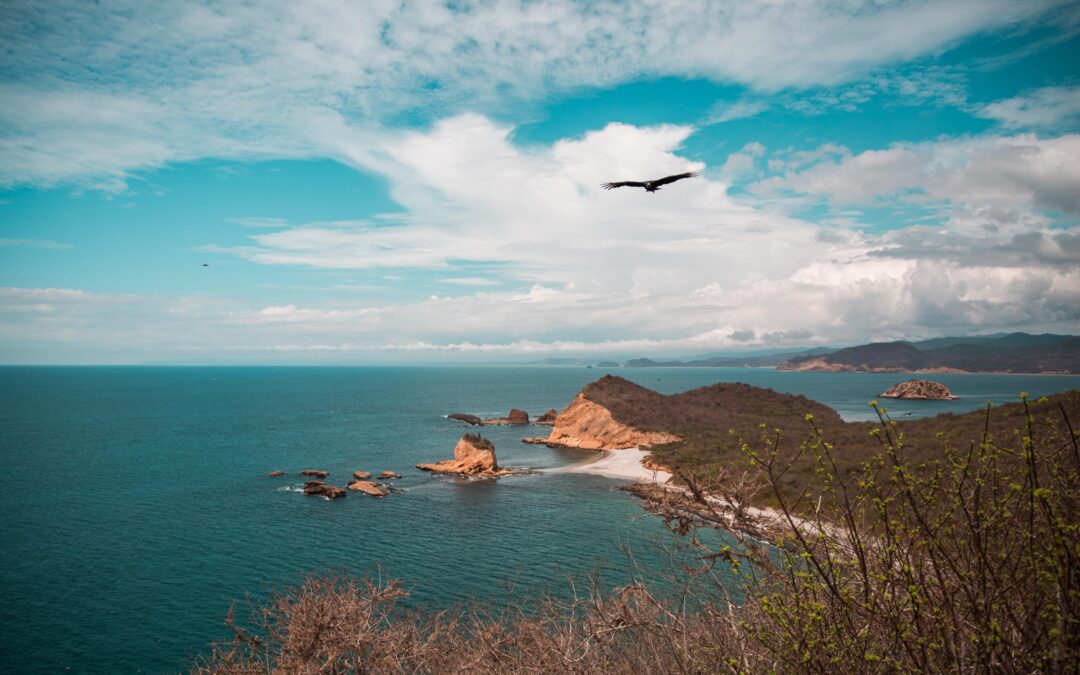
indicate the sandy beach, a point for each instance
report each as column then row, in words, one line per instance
column 624, row 464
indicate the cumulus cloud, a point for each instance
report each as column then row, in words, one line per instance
column 1046, row 108
column 686, row 270
column 996, row 182
column 94, row 91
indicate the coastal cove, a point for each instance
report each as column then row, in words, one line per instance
column 137, row 505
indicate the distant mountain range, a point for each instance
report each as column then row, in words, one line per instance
column 756, row 361
column 1000, row 353
column 1012, row 353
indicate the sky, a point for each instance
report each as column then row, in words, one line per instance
column 325, row 182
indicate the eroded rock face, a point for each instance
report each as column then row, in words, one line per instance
column 315, row 473
column 367, row 487
column 920, row 390
column 317, row 488
column 466, row 418
column 473, row 456
column 517, row 416
column 589, row 425
column 548, row 418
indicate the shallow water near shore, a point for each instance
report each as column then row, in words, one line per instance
column 136, row 504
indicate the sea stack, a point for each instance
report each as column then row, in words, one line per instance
column 474, row 455
column 548, row 418
column 919, row 390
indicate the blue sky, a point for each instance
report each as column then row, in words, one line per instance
column 379, row 183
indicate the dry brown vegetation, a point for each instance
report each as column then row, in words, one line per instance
column 960, row 556
column 479, row 441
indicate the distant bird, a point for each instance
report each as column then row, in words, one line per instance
column 651, row 185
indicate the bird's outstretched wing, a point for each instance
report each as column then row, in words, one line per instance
column 625, row 183
column 672, row 179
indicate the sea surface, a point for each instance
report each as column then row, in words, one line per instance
column 135, row 505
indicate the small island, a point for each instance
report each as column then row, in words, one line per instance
column 474, row 455
column 919, row 390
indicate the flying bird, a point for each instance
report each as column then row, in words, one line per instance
column 651, row 185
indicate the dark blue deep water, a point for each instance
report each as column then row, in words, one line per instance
column 135, row 504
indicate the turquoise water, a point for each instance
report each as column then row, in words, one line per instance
column 135, row 505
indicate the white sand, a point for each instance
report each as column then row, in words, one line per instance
column 624, row 464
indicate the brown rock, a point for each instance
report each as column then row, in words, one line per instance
column 389, row 474
column 919, row 390
column 367, row 487
column 547, row 418
column 466, row 418
column 274, row 474
column 361, row 475
column 317, row 488
column 517, row 416
column 315, row 472
column 474, row 455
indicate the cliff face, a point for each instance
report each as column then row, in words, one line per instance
column 589, row 425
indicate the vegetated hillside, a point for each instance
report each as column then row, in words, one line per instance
column 1006, row 341
column 749, row 361
column 714, row 421
column 1014, row 353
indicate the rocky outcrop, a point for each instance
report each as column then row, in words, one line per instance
column 474, row 455
column 547, row 418
column 367, row 487
column 385, row 475
column 466, row 418
column 919, row 390
column 317, row 488
column 315, row 473
column 515, row 416
column 589, row 425
column 361, row 475
column 275, row 474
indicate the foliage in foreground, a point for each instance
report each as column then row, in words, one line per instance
column 965, row 562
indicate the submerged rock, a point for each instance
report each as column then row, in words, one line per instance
column 367, row 487
column 466, row 418
column 317, row 488
column 274, row 474
column 919, row 390
column 316, row 473
column 389, row 474
column 361, row 475
column 474, row 455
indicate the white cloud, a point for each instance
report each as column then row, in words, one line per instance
column 686, row 270
column 998, row 182
column 35, row 243
column 94, row 92
column 1046, row 108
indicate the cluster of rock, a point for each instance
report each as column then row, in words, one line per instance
column 474, row 455
column 319, row 488
column 515, row 416
column 919, row 390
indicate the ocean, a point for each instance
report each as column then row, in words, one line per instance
column 136, row 506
